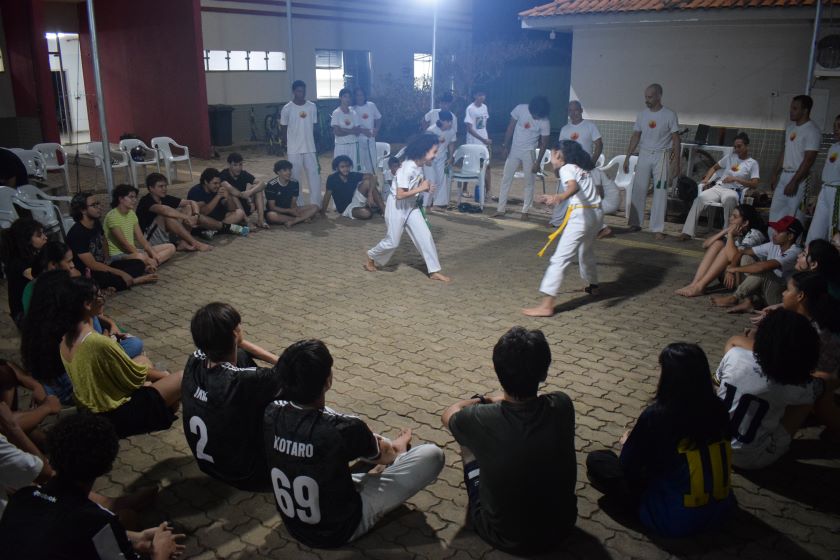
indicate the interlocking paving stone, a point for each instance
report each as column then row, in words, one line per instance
column 405, row 348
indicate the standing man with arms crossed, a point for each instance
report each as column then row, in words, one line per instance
column 802, row 142
column 297, row 121
column 528, row 128
column 656, row 135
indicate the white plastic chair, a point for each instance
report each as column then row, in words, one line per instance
column 50, row 151
column 474, row 159
column 119, row 159
column 36, row 165
column 43, row 209
column 383, row 152
column 601, row 160
column 624, row 181
column 150, row 157
column 709, row 207
column 8, row 214
column 163, row 144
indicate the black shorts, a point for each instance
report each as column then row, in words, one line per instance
column 471, row 475
column 145, row 412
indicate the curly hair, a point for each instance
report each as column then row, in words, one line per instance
column 83, row 447
column 419, row 146
column 574, row 153
column 78, row 204
column 16, row 242
column 787, row 347
column 341, row 159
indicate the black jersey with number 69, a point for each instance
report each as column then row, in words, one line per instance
column 222, row 408
column 308, row 452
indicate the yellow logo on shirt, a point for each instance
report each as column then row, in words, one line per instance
column 735, row 167
column 833, row 157
column 302, row 114
column 652, row 124
column 793, row 136
column 575, row 136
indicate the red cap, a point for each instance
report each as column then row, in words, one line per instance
column 788, row 223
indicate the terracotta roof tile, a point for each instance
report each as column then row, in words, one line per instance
column 577, row 7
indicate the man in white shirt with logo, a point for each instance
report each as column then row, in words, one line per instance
column 802, row 142
column 436, row 171
column 582, row 131
column 445, row 104
column 827, row 211
column 655, row 134
column 528, row 129
column 476, row 117
column 297, row 121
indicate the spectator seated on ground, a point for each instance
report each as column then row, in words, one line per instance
column 219, row 204
column 55, row 255
column 21, row 462
column 42, row 405
column 766, row 278
column 90, row 250
column 309, row 446
column 19, row 245
column 162, row 217
column 281, row 194
column 247, row 188
column 122, row 230
column 355, row 195
column 224, row 395
column 58, row 336
column 746, row 230
column 674, row 468
column 518, row 451
column 60, row 520
column 769, row 386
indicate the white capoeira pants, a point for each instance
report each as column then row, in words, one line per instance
column 398, row 220
column 512, row 163
column 825, row 219
column 609, row 203
column 578, row 239
column 367, row 155
column 350, row 150
column 783, row 205
column 652, row 165
column 307, row 163
column 436, row 174
column 724, row 195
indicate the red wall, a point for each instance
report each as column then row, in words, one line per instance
column 28, row 64
column 152, row 65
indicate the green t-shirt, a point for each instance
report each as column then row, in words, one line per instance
column 125, row 223
column 103, row 375
column 26, row 299
column 526, row 455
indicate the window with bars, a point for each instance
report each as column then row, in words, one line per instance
column 329, row 73
column 244, row 61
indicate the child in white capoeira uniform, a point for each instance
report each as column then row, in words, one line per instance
column 402, row 213
column 826, row 220
column 345, row 124
column 435, row 172
column 369, row 118
column 580, row 227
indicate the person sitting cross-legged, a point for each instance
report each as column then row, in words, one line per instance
column 281, row 195
column 219, row 204
column 162, row 216
column 356, row 196
column 61, row 519
column 674, row 470
column 518, row 451
column 224, row 394
column 310, row 445
column 246, row 188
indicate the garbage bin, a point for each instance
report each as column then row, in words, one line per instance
column 221, row 125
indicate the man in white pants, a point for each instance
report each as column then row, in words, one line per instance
column 656, row 135
column 825, row 221
column 802, row 142
column 297, row 121
column 436, row 171
column 476, row 117
column 528, row 128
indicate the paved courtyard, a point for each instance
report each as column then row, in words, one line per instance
column 406, row 347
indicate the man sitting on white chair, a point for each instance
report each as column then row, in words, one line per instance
column 738, row 171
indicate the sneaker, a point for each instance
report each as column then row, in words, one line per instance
column 207, row 234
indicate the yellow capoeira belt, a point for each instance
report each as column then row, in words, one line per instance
column 562, row 226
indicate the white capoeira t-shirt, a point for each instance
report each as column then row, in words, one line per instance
column 345, row 121
column 584, row 133
column 367, row 114
column 772, row 252
column 528, row 130
column 733, row 166
column 445, row 138
column 831, row 169
column 432, row 118
column 587, row 194
column 477, row 117
column 656, row 128
column 300, row 120
column 756, row 406
column 798, row 140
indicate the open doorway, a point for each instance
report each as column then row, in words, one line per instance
column 69, row 87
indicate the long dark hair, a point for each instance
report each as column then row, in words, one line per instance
column 55, row 312
column 16, row 242
column 574, row 153
column 751, row 215
column 821, row 307
column 827, row 259
column 685, row 395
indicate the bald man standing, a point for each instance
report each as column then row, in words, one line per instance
column 656, row 135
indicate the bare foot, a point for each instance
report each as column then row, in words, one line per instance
column 402, row 442
column 723, row 301
column 264, row 225
column 659, row 236
column 370, row 266
column 689, row 291
column 146, row 279
column 289, row 224
column 203, row 247
column 604, row 233
column 498, row 215
column 683, row 237
column 184, row 246
column 440, row 277
column 743, row 307
column 539, row 311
